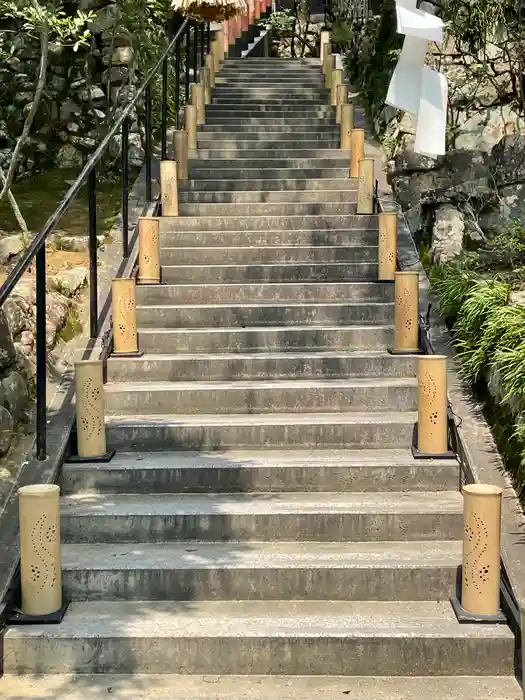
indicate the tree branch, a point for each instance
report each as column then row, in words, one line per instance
column 14, row 205
column 44, row 52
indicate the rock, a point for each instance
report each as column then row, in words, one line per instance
column 69, row 109
column 7, row 349
column 57, row 310
column 136, row 153
column 15, row 394
column 76, row 244
column 121, row 56
column 116, row 75
column 105, row 19
column 512, row 208
column 73, row 127
column 507, row 160
column 94, row 94
column 69, row 282
column 484, row 130
column 11, row 246
column 69, row 157
column 27, row 339
column 447, row 234
column 7, row 427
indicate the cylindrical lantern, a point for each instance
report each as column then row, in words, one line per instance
column 180, row 146
column 169, row 192
column 365, row 187
column 357, row 147
column 190, row 124
column 215, row 48
column 387, row 245
column 40, row 566
column 89, row 405
column 335, row 81
column 206, row 84
column 341, row 99
column 149, row 239
column 406, row 312
column 210, row 65
column 480, row 582
column 325, row 45
column 125, row 340
column 197, row 99
column 330, row 67
column 347, row 125
column 327, row 63
column 432, row 431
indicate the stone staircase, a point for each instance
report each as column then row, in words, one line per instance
column 263, row 531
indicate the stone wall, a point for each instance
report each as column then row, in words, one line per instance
column 473, row 191
column 84, row 92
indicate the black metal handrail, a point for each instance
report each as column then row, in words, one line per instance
column 192, row 35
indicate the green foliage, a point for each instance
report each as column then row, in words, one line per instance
column 282, row 23
column 489, row 335
column 63, row 28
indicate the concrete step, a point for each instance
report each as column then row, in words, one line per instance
column 194, row 687
column 265, row 339
column 322, row 517
column 339, row 159
column 220, row 290
column 311, row 222
column 269, row 141
column 262, row 571
column 384, row 470
column 271, row 128
column 371, row 638
column 352, row 238
column 298, row 184
column 288, row 431
column 262, row 471
column 315, row 105
column 267, row 197
column 255, row 120
column 227, row 255
column 201, row 171
column 236, row 366
column 261, row 396
column 265, row 154
column 344, row 208
column 276, row 314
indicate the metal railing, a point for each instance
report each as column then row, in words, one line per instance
column 186, row 50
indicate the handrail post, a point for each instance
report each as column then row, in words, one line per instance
column 164, row 110
column 124, row 186
column 148, row 149
column 41, row 355
column 92, row 243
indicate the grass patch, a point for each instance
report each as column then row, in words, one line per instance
column 71, row 328
column 38, row 197
column 488, row 332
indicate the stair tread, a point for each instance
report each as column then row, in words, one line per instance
column 260, row 555
column 322, row 354
column 198, row 687
column 254, row 459
column 264, row 329
column 258, row 384
column 372, row 417
column 256, row 619
column 273, row 304
column 92, row 505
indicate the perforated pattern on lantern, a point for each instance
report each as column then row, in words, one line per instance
column 43, row 570
column 476, row 543
column 91, row 417
column 126, row 307
column 404, row 304
column 388, row 255
column 365, row 192
column 152, row 238
column 429, row 393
